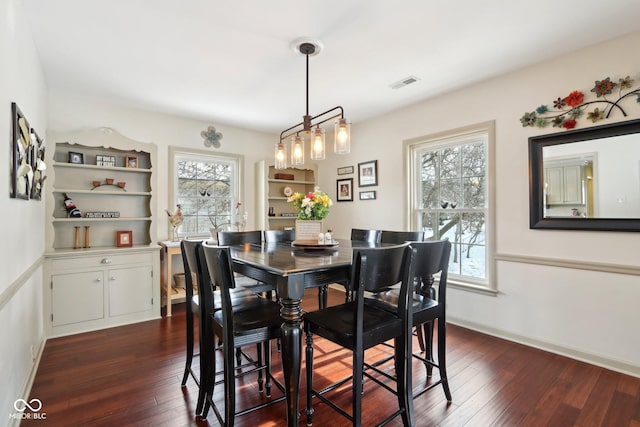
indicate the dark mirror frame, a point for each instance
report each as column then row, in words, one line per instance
column 536, row 179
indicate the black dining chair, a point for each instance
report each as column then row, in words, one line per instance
column 358, row 326
column 233, row 238
column 359, row 238
column 367, row 236
column 192, row 267
column 432, row 258
column 236, row 326
column 397, row 237
column 279, row 236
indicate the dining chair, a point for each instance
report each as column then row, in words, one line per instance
column 367, row 236
column 397, row 237
column 279, row 236
column 233, row 238
column 237, row 326
column 432, row 257
column 189, row 248
column 359, row 237
column 358, row 326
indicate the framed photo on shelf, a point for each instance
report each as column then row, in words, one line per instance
column 124, row 239
column 131, row 161
column 77, row 158
column 344, row 189
column 368, row 173
column 367, row 195
column 345, row 170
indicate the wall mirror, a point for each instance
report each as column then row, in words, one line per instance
column 586, row 179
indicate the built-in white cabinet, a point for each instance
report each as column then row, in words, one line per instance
column 564, row 185
column 272, row 189
column 102, row 268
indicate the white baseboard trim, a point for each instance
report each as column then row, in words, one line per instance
column 28, row 384
column 572, row 353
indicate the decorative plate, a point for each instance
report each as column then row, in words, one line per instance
column 288, row 191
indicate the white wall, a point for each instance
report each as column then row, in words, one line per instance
column 22, row 221
column 590, row 315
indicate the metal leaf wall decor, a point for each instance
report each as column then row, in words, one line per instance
column 567, row 110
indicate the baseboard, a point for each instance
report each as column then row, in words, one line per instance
column 28, row 384
column 593, row 359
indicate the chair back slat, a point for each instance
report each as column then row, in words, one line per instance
column 230, row 238
column 279, row 236
column 397, row 237
column 368, row 236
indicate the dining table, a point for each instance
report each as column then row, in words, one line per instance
column 290, row 268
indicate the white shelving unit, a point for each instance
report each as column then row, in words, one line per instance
column 270, row 193
column 92, row 283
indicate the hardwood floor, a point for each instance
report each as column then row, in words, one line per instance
column 131, row 376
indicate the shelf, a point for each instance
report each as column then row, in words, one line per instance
column 102, row 250
column 121, row 192
column 271, row 218
column 290, row 181
column 104, row 168
column 68, row 220
column 277, row 198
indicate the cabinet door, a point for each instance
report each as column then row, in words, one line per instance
column 77, row 297
column 554, row 185
column 130, row 290
column 572, row 185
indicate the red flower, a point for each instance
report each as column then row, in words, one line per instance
column 310, row 195
column 569, row 124
column 574, row 99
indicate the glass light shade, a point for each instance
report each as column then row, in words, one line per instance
column 280, row 156
column 342, row 144
column 317, row 144
column 297, row 150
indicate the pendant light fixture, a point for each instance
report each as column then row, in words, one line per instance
column 311, row 125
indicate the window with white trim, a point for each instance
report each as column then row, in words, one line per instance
column 207, row 187
column 451, row 198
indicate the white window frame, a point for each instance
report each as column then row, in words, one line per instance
column 459, row 136
column 177, row 154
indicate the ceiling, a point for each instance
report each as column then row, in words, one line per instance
column 231, row 62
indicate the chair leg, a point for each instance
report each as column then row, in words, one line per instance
column 207, row 376
column 309, row 371
column 260, row 364
column 238, row 357
column 187, row 366
column 267, row 364
column 428, row 340
column 358, row 387
column 442, row 364
column 402, row 358
column 229, row 386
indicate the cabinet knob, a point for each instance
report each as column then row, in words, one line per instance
column 98, row 280
column 112, row 278
column 106, row 261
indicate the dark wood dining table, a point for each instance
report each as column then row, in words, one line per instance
column 290, row 270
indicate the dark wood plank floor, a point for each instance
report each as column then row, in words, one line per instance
column 131, row 376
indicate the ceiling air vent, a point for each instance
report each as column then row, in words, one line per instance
column 404, row 82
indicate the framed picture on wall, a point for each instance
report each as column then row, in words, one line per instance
column 367, row 195
column 76, row 158
column 368, row 173
column 344, row 189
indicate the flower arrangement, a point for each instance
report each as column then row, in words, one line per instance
column 314, row 205
column 567, row 110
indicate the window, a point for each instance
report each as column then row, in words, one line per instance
column 207, row 187
column 450, row 197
